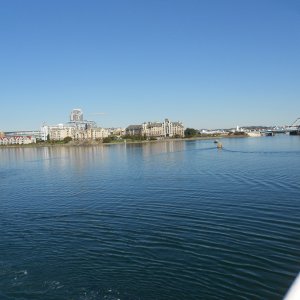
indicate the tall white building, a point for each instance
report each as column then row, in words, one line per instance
column 44, row 132
column 76, row 115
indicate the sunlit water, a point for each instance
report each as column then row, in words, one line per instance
column 165, row 220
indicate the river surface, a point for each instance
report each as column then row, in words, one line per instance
column 166, row 220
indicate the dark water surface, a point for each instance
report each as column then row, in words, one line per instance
column 166, row 220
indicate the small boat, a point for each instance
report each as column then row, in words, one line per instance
column 219, row 146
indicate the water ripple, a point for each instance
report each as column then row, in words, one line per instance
column 159, row 221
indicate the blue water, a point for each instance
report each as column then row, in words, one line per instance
column 165, row 220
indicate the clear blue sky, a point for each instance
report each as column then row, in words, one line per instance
column 208, row 63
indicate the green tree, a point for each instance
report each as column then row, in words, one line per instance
column 107, row 140
column 190, row 132
column 67, row 139
column 153, row 138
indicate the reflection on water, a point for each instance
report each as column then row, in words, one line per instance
column 81, row 156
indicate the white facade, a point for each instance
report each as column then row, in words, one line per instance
column 117, row 131
column 44, row 132
column 58, row 133
column 17, row 140
column 91, row 134
column 163, row 129
column 153, row 129
column 76, row 115
column 77, row 129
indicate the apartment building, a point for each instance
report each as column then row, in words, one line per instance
column 134, row 130
column 157, row 129
column 58, row 133
column 119, row 131
column 77, row 129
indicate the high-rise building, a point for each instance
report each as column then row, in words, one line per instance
column 77, row 129
column 76, row 115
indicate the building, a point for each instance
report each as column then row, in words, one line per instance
column 58, row 133
column 17, row 140
column 157, row 129
column 44, row 132
column 76, row 115
column 77, row 120
column 153, row 129
column 173, row 129
column 163, row 129
column 134, row 130
column 77, row 129
column 117, row 131
column 91, row 134
column 33, row 133
column 1, row 134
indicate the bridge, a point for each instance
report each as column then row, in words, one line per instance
column 294, row 129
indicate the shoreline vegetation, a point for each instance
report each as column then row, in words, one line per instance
column 114, row 140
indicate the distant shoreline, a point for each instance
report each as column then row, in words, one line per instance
column 94, row 143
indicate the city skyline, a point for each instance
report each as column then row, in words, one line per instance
column 76, row 115
column 209, row 64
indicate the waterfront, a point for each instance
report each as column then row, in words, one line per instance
column 164, row 220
